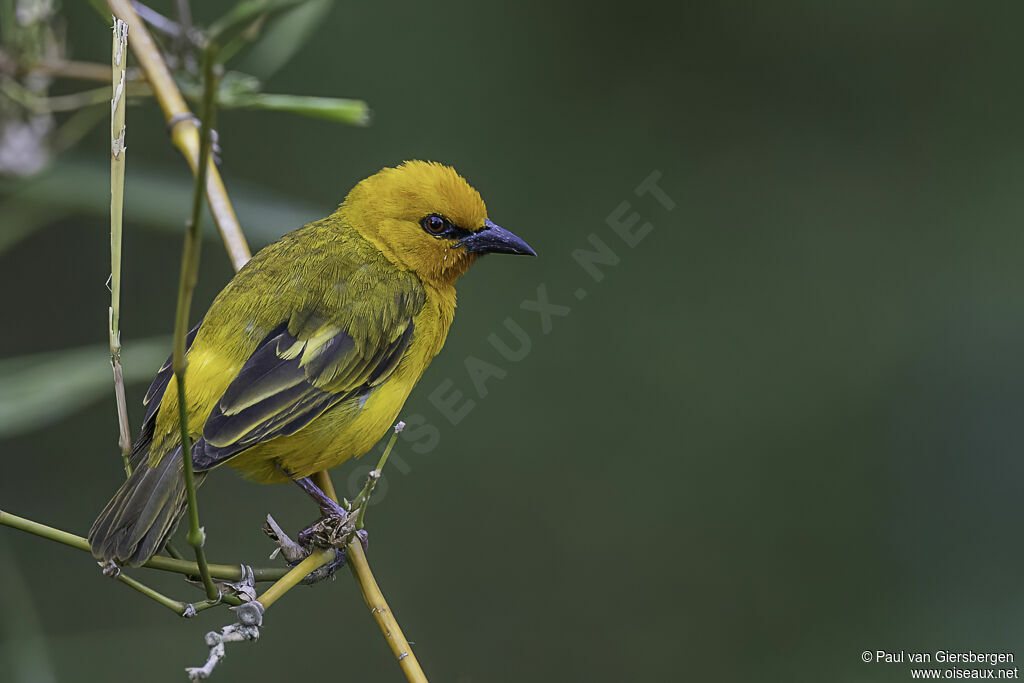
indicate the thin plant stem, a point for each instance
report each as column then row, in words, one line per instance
column 362, row 500
column 189, row 275
column 176, row 606
column 300, row 571
column 119, row 57
column 182, row 609
column 188, row 568
column 223, row 572
column 207, row 604
column 184, row 131
column 374, row 598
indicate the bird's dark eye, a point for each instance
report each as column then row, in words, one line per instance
column 434, row 224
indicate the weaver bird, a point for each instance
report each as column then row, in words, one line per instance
column 307, row 355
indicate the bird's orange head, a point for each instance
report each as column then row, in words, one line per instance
column 425, row 217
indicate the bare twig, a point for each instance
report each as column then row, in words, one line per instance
column 119, row 58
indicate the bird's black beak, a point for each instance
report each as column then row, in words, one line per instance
column 494, row 239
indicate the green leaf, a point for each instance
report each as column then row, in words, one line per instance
column 353, row 112
column 240, row 90
column 43, row 388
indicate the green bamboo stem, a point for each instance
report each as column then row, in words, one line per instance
column 222, row 572
column 189, row 276
column 300, row 571
column 382, row 614
column 118, row 62
column 374, row 597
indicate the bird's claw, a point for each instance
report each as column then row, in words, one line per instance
column 331, row 531
column 364, row 538
column 110, row 569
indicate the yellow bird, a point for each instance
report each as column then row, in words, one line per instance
column 306, row 357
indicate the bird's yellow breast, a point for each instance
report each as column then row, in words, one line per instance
column 349, row 430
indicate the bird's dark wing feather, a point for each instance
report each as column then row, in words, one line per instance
column 155, row 394
column 301, row 368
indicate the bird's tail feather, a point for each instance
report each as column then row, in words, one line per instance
column 142, row 515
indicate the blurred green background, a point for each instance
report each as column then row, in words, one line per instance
column 779, row 432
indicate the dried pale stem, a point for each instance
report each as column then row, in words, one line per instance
column 375, row 598
column 184, row 131
column 189, row 275
column 118, row 60
column 222, row 572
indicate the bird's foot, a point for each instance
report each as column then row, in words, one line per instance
column 335, row 529
column 325, row 533
column 328, row 506
column 110, row 568
column 330, row 531
column 328, row 570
